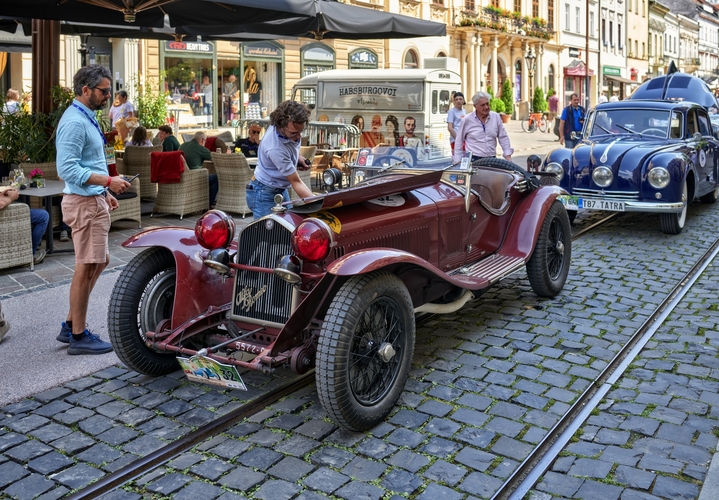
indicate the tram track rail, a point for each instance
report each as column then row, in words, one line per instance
column 163, row 455
column 526, row 475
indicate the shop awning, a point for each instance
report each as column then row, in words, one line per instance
column 621, row 79
column 577, row 68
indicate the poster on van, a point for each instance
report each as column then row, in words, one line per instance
column 374, row 96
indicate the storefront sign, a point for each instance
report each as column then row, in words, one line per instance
column 390, row 96
column 261, row 50
column 364, row 57
column 573, row 52
column 188, row 46
column 612, row 71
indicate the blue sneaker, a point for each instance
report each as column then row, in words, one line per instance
column 89, row 344
column 65, row 334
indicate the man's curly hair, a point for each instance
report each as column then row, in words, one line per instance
column 289, row 111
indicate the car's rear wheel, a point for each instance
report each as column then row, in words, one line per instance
column 674, row 223
column 711, row 197
column 365, row 349
column 548, row 266
column 143, row 296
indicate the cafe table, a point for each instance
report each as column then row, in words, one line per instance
column 47, row 193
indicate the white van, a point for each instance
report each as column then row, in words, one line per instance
column 392, row 107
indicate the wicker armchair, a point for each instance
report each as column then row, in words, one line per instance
column 233, row 174
column 129, row 208
column 15, row 236
column 136, row 160
column 191, row 194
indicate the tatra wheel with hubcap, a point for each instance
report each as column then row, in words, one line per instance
column 365, row 349
column 548, row 266
column 674, row 223
column 143, row 296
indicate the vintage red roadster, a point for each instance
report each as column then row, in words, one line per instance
column 334, row 282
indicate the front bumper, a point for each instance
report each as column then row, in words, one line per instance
column 571, row 202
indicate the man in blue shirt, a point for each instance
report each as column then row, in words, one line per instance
column 86, row 206
column 572, row 120
column 279, row 159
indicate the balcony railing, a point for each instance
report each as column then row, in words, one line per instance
column 510, row 22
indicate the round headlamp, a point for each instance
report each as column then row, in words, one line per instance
column 556, row 169
column 602, row 176
column 658, row 177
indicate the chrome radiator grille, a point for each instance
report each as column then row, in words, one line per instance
column 262, row 297
column 608, row 195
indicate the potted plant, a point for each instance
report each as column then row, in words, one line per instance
column 508, row 100
column 497, row 106
column 151, row 105
column 539, row 103
column 37, row 178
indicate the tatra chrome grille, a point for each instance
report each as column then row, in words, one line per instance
column 607, row 195
column 262, row 297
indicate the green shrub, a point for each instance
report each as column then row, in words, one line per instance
column 539, row 103
column 507, row 97
column 496, row 105
column 151, row 104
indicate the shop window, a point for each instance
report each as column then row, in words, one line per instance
column 363, row 59
column 411, row 60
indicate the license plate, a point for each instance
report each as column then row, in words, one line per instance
column 575, row 203
column 208, row 371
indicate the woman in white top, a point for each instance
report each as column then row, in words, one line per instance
column 12, row 104
column 121, row 108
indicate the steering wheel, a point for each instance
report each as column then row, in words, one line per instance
column 663, row 133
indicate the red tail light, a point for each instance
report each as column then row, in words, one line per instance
column 215, row 229
column 312, row 240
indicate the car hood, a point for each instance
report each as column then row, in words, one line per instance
column 381, row 185
column 625, row 155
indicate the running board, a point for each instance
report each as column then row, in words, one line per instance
column 492, row 268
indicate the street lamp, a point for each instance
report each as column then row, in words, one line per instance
column 530, row 57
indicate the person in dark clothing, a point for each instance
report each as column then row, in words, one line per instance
column 169, row 141
column 250, row 145
column 572, row 120
column 195, row 153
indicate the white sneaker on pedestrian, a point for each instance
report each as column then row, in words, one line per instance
column 63, row 235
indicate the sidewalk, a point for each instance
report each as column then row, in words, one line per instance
column 57, row 268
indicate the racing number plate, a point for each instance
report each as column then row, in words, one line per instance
column 209, row 371
column 575, row 203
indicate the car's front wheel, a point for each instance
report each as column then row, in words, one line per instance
column 548, row 266
column 143, row 295
column 365, row 349
column 674, row 223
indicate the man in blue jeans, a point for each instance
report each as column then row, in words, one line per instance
column 278, row 160
column 38, row 221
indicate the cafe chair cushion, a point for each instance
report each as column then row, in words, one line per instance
column 167, row 168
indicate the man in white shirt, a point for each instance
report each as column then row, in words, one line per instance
column 480, row 131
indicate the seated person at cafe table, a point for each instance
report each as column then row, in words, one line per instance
column 169, row 141
column 39, row 219
column 250, row 145
column 139, row 137
column 195, row 153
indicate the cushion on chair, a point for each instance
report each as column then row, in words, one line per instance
column 166, row 168
column 210, row 143
column 112, row 170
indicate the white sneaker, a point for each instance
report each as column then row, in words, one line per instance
column 64, row 236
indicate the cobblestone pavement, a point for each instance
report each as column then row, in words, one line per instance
column 487, row 384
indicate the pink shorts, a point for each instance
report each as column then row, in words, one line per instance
column 89, row 219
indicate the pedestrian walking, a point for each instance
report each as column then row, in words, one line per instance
column 553, row 101
column 82, row 162
column 278, row 159
column 572, row 120
column 480, row 131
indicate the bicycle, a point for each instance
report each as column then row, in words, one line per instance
column 533, row 122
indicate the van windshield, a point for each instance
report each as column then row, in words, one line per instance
column 305, row 95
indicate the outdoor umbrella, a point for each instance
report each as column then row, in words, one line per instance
column 320, row 19
column 148, row 13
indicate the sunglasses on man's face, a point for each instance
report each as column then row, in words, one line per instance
column 106, row 91
column 254, row 132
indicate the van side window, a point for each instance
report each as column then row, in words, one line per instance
column 435, row 104
column 444, row 102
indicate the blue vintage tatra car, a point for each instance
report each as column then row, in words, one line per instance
column 641, row 156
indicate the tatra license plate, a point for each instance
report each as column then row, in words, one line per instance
column 208, row 371
column 575, row 203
